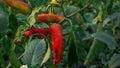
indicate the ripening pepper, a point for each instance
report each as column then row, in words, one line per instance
column 40, row 32
column 46, row 18
column 19, row 6
column 57, row 42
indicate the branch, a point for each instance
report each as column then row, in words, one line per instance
column 76, row 11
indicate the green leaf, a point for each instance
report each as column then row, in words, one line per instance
column 37, row 3
column 115, row 61
column 106, row 21
column 13, row 60
column 6, row 42
column 31, row 19
column 71, row 9
column 106, row 38
column 95, row 49
column 72, row 54
column 109, row 6
column 3, row 22
column 115, row 19
column 34, row 52
column 13, row 23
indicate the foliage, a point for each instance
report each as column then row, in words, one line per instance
column 91, row 31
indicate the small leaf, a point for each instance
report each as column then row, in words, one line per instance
column 34, row 52
column 115, row 61
column 104, row 37
column 98, row 18
column 106, row 21
column 31, row 19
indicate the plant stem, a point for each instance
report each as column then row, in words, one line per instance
column 71, row 25
column 48, row 7
column 76, row 11
column 21, row 55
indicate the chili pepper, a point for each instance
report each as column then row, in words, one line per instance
column 19, row 6
column 57, row 42
column 46, row 18
column 40, row 32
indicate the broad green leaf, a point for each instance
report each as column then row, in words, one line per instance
column 72, row 53
column 47, row 55
column 115, row 61
column 106, row 38
column 34, row 52
column 31, row 19
column 13, row 23
column 96, row 48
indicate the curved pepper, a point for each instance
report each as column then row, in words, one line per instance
column 46, row 18
column 40, row 32
column 57, row 42
column 19, row 6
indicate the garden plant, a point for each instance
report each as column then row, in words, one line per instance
column 59, row 33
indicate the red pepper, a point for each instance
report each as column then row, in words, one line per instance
column 19, row 6
column 40, row 32
column 46, row 18
column 57, row 42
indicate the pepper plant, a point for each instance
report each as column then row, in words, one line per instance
column 59, row 34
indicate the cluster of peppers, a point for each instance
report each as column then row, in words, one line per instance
column 55, row 29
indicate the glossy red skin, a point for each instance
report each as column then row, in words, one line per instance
column 19, row 6
column 27, row 33
column 40, row 32
column 46, row 18
column 57, row 42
